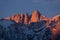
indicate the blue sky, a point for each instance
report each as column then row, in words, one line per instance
column 48, row 8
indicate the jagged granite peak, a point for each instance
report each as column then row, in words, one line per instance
column 21, row 18
column 26, row 18
column 17, row 18
column 35, row 16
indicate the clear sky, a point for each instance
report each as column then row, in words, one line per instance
column 48, row 8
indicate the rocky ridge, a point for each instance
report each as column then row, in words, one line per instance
column 34, row 21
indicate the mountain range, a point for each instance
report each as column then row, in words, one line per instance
column 35, row 22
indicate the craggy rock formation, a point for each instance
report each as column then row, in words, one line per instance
column 30, row 27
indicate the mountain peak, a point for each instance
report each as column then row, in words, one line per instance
column 35, row 12
column 35, row 16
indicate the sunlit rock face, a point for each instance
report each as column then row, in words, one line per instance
column 35, row 16
column 26, row 19
column 57, row 18
column 42, row 17
column 16, row 18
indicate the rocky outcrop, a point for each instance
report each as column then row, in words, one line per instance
column 26, row 19
column 35, row 16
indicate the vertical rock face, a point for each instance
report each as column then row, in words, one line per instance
column 35, row 16
column 21, row 18
column 26, row 19
column 16, row 18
